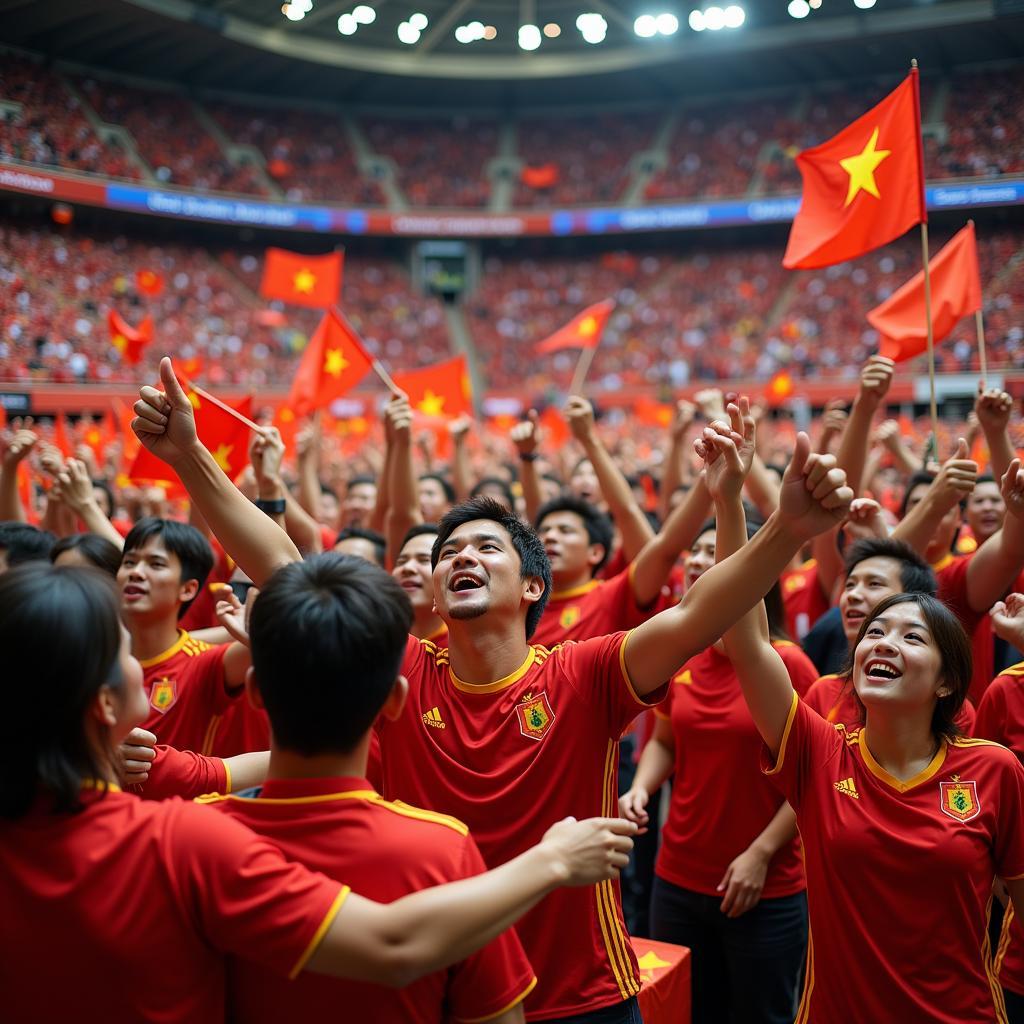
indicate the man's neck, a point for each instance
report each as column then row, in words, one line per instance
column 426, row 624
column 287, row 764
column 152, row 637
column 566, row 583
column 480, row 654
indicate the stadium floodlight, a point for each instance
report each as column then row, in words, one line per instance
column 347, row 25
column 364, row 14
column 418, row 21
column 864, row 5
column 477, row 28
column 551, row 30
column 292, row 12
column 592, row 27
column 490, row 32
column 667, row 24
column 462, row 34
column 734, row 16
column 798, row 8
column 696, row 21
column 407, row 34
column 646, row 26
column 529, row 37
column 714, row 19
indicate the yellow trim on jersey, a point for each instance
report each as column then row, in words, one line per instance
column 999, row 1003
column 583, row 588
column 110, row 787
column 626, row 678
column 227, row 774
column 319, row 934
column 183, row 638
column 890, row 780
column 440, row 631
column 421, row 814
column 1004, row 938
column 974, row 741
column 501, row 684
column 805, row 999
column 777, row 767
column 658, row 713
column 1014, row 670
column 497, row 1013
column 211, row 732
column 941, row 564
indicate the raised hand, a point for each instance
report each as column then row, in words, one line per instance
column 993, row 407
column 956, row 477
column 458, row 428
column 711, row 403
column 865, row 520
column 75, row 485
column 398, row 416
column 138, row 752
column 686, row 413
column 876, row 378
column 1008, row 619
column 266, row 453
column 232, row 614
column 580, row 415
column 593, row 850
column 728, row 451
column 814, row 495
column 833, row 420
column 526, row 434
column 51, row 461
column 1012, row 488
column 165, row 421
column 20, row 444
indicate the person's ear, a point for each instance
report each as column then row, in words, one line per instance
column 395, row 703
column 188, row 590
column 104, row 707
column 533, row 590
column 252, row 689
column 595, row 553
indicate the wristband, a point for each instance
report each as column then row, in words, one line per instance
column 528, row 456
column 272, row 508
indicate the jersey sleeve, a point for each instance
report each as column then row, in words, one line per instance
column 243, row 895
column 1008, row 847
column 596, row 669
column 952, row 581
column 185, row 774
column 495, row 978
column 807, row 743
column 207, row 668
column 991, row 715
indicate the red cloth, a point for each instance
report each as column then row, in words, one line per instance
column 665, row 981
column 183, row 773
column 129, row 341
column 341, row 827
column 302, row 280
column 863, row 187
column 333, row 363
column 442, row 390
column 583, row 331
column 158, row 893
column 803, row 600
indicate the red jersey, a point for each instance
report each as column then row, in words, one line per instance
column 385, row 850
column 242, row 729
column 891, row 862
column 597, row 608
column 511, row 758
column 187, row 693
column 185, row 774
column 123, row 911
column 1001, row 718
column 715, row 739
column 835, row 700
column 202, row 612
column 803, row 600
column 983, row 650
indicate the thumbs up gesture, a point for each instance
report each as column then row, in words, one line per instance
column 956, row 477
column 165, row 420
column 814, row 496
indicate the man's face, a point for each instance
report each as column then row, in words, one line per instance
column 583, row 483
column 150, row 584
column 699, row 558
column 413, row 572
column 433, row 501
column 868, row 583
column 567, row 545
column 359, row 502
column 360, row 547
column 985, row 510
column 478, row 572
column 942, row 539
column 495, row 493
column 330, row 510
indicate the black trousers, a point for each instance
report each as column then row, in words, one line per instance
column 747, row 969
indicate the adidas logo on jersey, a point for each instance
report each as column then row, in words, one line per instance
column 846, row 786
column 433, row 718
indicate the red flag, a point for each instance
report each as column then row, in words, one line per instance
column 98, row 434
column 780, row 387
column 556, row 430
column 583, row 331
column 192, row 367
column 653, row 414
column 302, row 280
column 863, row 187
column 226, row 438
column 333, row 363
column 3, row 416
column 439, row 391
column 956, row 291
column 287, row 424
column 149, row 282
column 129, row 440
column 61, row 440
column 539, row 176
column 129, row 341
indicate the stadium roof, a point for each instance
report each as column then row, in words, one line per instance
column 252, row 46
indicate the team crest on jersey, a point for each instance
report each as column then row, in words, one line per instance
column 569, row 617
column 535, row 716
column 162, row 695
column 959, row 800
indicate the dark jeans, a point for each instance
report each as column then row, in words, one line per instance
column 1014, row 1007
column 747, row 969
column 620, row 1013
column 637, row 877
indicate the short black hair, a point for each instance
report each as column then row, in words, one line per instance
column 25, row 543
column 449, row 491
column 598, row 526
column 185, row 542
column 916, row 575
column 97, row 550
column 533, row 558
column 419, row 530
column 362, row 478
column 102, row 485
column 360, row 533
column 498, row 484
column 328, row 637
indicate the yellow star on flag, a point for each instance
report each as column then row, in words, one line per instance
column 120, row 342
column 304, row 281
column 861, row 169
column 334, row 362
column 650, row 961
column 222, row 456
column 588, row 326
column 194, row 399
column 431, row 404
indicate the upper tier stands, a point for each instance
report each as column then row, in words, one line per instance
column 974, row 126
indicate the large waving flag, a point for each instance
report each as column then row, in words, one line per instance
column 313, row 281
column 441, row 390
column 583, row 331
column 956, row 291
column 129, row 341
column 333, row 363
column 863, row 187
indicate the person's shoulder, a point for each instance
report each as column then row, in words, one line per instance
column 827, row 684
column 970, row 752
column 1011, row 677
column 426, row 652
column 421, row 822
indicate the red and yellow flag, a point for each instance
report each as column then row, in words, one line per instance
column 313, row 281
column 61, row 438
column 441, row 391
column 653, row 414
column 129, row 341
column 131, row 443
column 149, row 282
column 583, row 331
column 556, row 431
column 956, row 292
column 863, row 187
column 98, row 434
column 333, row 363
column 780, row 387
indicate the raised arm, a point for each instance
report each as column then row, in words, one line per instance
column 999, row 560
column 75, row 490
column 404, row 511
column 875, row 379
column 632, row 524
column 395, row 943
column 462, row 474
column 993, row 408
column 165, row 424
column 16, row 450
column 675, row 471
column 526, row 437
column 307, row 465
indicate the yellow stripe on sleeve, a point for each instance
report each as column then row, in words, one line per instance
column 319, row 934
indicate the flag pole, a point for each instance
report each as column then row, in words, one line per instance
column 224, row 407
column 376, row 365
column 930, row 333
column 582, row 366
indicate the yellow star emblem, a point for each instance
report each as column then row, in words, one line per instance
column 120, row 342
column 287, row 415
column 334, row 362
column 588, row 326
column 304, row 281
column 861, row 169
column 194, row 399
column 222, row 456
column 431, row 404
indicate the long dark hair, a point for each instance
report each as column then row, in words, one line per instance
column 62, row 626
column 954, row 648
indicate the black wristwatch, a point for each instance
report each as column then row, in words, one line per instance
column 529, row 456
column 272, row 508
